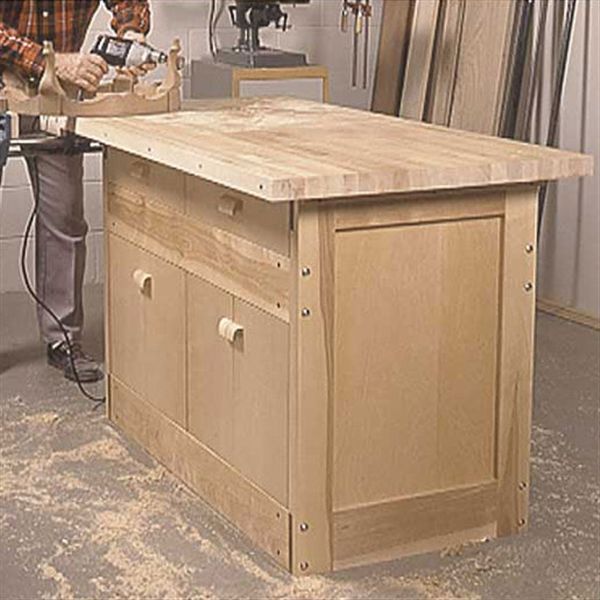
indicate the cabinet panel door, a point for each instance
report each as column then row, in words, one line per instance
column 210, row 367
column 126, row 316
column 261, row 399
column 416, row 351
column 148, row 327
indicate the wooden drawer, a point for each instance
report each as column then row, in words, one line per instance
column 152, row 181
column 238, row 387
column 147, row 327
column 264, row 223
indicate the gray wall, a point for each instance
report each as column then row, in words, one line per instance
column 569, row 265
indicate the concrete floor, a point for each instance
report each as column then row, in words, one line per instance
column 86, row 514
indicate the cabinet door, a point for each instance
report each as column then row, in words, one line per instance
column 261, row 399
column 210, row 368
column 147, row 327
column 238, row 390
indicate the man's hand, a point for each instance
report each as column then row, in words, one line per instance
column 82, row 70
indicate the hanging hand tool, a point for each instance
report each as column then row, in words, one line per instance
column 362, row 12
column 367, row 10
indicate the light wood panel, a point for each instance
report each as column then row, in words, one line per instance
column 283, row 149
column 516, row 360
column 245, row 269
column 482, row 66
column 414, row 525
column 418, row 64
column 391, row 59
column 415, row 359
column 260, row 222
column 147, row 329
column 260, row 517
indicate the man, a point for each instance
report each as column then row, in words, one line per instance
column 61, row 226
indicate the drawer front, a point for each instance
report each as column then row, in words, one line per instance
column 238, row 385
column 152, row 181
column 147, row 327
column 263, row 223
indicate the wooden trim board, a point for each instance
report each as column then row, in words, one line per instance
column 391, row 58
column 568, row 313
column 418, row 64
column 516, row 360
column 260, row 517
column 311, row 391
column 414, row 524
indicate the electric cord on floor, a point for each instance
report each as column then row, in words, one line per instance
column 35, row 185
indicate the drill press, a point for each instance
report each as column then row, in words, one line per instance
column 249, row 16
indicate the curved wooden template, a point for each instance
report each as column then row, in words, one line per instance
column 145, row 99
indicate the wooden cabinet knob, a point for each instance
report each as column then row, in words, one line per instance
column 140, row 170
column 229, row 330
column 143, row 280
column 229, row 206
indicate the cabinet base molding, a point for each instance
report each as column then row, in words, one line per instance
column 260, row 517
column 414, row 525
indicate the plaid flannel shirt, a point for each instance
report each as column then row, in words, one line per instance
column 25, row 24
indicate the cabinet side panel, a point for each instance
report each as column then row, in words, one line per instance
column 416, row 335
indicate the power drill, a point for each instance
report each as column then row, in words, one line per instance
column 119, row 52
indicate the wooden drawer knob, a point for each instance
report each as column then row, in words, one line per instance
column 229, row 206
column 143, row 280
column 229, row 330
column 140, row 170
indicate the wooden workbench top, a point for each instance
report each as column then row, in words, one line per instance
column 282, row 149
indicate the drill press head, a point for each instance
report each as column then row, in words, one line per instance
column 250, row 16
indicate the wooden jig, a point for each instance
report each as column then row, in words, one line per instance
column 120, row 97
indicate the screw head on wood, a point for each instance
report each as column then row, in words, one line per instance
column 306, row 312
column 521, row 522
column 529, row 248
column 528, row 286
column 303, row 526
column 522, row 485
column 303, row 566
column 305, row 271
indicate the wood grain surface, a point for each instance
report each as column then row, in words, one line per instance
column 282, row 149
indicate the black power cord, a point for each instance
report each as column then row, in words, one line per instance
column 35, row 185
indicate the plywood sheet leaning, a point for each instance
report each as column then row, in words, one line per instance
column 482, row 66
column 391, row 58
column 419, row 59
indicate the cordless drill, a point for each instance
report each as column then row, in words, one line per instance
column 119, row 52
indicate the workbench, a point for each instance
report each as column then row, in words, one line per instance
column 322, row 319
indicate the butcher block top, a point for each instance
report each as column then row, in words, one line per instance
column 282, row 149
